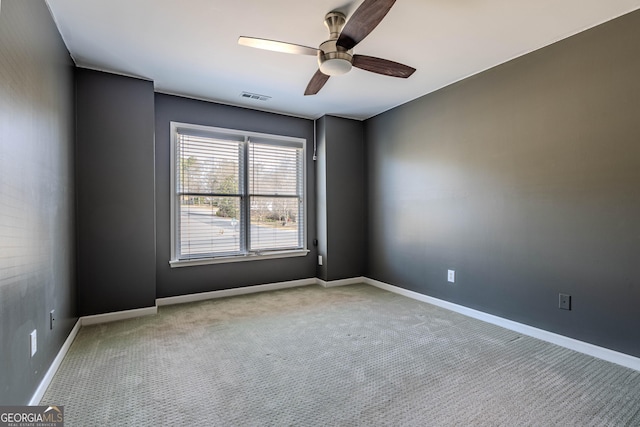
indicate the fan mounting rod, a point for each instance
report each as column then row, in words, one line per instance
column 334, row 22
column 334, row 60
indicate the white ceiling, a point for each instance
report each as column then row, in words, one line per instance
column 189, row 47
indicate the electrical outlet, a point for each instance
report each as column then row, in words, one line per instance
column 34, row 342
column 319, row 259
column 564, row 301
column 451, row 276
column 52, row 318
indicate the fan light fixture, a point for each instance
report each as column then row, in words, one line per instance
column 334, row 60
column 335, row 66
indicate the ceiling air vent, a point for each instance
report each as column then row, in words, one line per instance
column 249, row 95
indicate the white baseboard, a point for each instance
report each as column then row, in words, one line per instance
column 181, row 299
column 341, row 282
column 118, row 315
column 46, row 381
column 561, row 340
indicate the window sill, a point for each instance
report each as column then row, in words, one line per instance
column 237, row 258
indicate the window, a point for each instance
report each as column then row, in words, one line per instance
column 235, row 195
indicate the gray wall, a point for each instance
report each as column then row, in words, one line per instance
column 342, row 198
column 321, row 195
column 36, row 195
column 525, row 180
column 115, row 192
column 187, row 280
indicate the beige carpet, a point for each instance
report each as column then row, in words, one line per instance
column 350, row 356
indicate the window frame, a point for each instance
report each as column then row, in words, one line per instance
column 233, row 134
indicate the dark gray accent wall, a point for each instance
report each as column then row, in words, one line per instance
column 321, row 196
column 341, row 198
column 195, row 279
column 115, row 192
column 525, row 180
column 37, row 249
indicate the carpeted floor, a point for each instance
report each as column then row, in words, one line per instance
column 345, row 356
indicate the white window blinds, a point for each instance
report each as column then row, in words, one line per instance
column 275, row 191
column 236, row 194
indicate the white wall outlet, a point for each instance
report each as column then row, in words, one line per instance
column 319, row 259
column 451, row 276
column 34, row 341
column 52, row 318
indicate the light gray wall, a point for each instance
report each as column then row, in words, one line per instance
column 525, row 180
column 342, row 198
column 36, row 195
column 115, row 192
column 187, row 280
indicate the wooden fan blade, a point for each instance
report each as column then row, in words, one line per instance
column 366, row 17
column 316, row 83
column 277, row 46
column 382, row 66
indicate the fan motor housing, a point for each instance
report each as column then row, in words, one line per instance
column 334, row 60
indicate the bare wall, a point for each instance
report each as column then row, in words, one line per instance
column 115, row 192
column 37, row 250
column 524, row 180
column 341, row 198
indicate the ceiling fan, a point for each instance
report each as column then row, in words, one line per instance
column 335, row 56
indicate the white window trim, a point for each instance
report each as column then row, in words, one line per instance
column 238, row 258
column 174, row 261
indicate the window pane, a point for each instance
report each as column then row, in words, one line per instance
column 275, row 170
column 236, row 192
column 208, row 165
column 275, row 223
column 209, row 225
